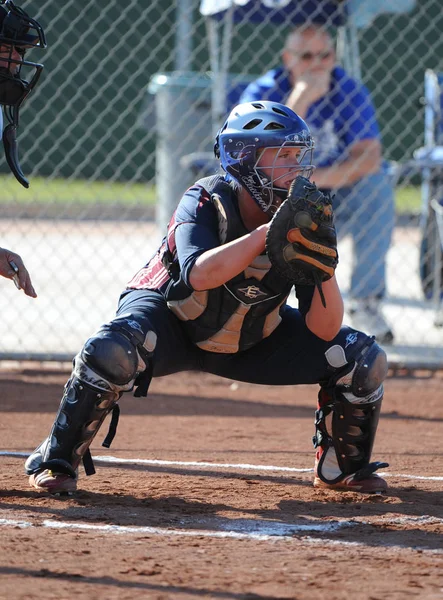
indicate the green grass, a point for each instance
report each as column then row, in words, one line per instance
column 408, row 200
column 64, row 191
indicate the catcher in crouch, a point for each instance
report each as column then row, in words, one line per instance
column 213, row 299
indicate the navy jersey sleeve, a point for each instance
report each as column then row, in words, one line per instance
column 196, row 229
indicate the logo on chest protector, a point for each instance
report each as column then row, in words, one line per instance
column 248, row 292
column 252, row 291
column 351, row 338
column 134, row 325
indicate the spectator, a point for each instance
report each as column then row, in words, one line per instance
column 342, row 120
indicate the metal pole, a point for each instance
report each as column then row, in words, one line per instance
column 220, row 37
column 183, row 35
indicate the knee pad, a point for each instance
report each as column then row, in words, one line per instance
column 119, row 351
column 361, row 370
column 106, row 367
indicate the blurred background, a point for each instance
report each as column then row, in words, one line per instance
column 123, row 120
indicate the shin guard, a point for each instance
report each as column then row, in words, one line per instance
column 348, row 412
column 109, row 364
column 344, row 436
column 83, row 409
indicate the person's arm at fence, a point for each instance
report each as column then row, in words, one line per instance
column 364, row 159
column 12, row 267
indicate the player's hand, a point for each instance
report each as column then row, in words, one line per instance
column 12, row 267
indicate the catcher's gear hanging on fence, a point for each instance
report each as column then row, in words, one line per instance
column 301, row 241
column 18, row 32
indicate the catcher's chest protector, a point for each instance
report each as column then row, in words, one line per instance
column 245, row 309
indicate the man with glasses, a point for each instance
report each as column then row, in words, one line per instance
column 342, row 119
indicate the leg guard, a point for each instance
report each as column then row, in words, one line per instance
column 83, row 409
column 347, row 418
column 106, row 367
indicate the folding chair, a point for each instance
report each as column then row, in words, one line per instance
column 429, row 160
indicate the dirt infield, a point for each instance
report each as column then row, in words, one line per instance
column 222, row 506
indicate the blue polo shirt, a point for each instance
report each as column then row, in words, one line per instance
column 338, row 120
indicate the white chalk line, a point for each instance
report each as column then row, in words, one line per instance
column 201, row 465
column 270, row 531
column 258, row 530
column 198, row 464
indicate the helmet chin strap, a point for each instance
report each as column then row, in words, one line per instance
column 278, row 194
column 278, row 197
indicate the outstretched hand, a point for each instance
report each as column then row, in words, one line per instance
column 12, row 267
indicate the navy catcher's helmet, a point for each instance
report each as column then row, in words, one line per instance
column 18, row 76
column 255, row 126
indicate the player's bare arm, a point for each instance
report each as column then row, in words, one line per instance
column 218, row 265
column 325, row 322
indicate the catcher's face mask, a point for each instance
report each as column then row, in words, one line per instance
column 277, row 167
column 18, row 76
column 261, row 145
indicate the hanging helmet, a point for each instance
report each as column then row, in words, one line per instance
column 18, row 76
column 256, row 126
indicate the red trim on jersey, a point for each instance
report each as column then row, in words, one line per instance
column 150, row 277
column 153, row 275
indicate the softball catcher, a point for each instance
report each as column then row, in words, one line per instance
column 213, row 298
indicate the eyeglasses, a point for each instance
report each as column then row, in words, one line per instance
column 308, row 56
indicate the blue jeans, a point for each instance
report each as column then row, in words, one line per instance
column 366, row 211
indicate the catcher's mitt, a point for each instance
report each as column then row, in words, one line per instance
column 301, row 241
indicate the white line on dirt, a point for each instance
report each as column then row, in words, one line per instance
column 262, row 530
column 270, row 531
column 200, row 465
column 178, row 463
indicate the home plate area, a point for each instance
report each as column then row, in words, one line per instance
column 207, row 492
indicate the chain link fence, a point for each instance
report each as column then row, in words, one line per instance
column 130, row 91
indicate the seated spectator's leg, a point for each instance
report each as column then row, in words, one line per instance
column 367, row 212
